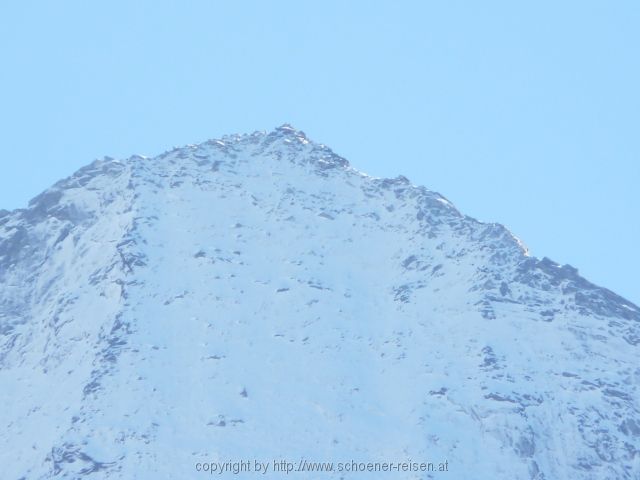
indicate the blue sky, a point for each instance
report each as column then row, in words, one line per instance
column 521, row 113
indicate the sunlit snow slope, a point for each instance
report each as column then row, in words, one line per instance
column 255, row 297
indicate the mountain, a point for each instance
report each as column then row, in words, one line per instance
column 255, row 298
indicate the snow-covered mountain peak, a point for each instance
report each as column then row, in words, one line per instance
column 288, row 129
column 257, row 297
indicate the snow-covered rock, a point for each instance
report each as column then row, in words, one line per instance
column 257, row 298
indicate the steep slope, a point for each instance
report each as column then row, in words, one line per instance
column 256, row 298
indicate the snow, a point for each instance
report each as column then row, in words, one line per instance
column 258, row 298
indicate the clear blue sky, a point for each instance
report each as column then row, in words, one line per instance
column 524, row 113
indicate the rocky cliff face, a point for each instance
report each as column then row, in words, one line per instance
column 256, row 298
